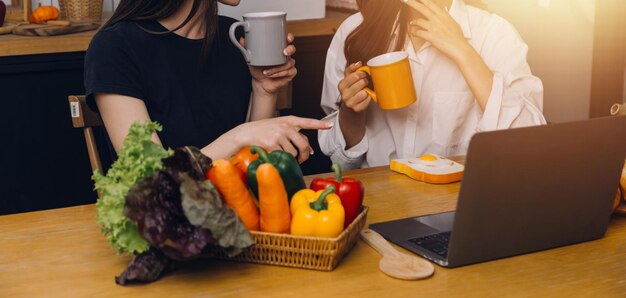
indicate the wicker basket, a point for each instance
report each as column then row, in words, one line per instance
column 81, row 10
column 298, row 251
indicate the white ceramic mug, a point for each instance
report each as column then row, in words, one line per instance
column 266, row 38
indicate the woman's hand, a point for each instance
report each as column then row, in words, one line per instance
column 282, row 133
column 351, row 89
column 445, row 34
column 439, row 29
column 272, row 79
column 354, row 102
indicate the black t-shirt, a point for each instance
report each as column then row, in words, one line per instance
column 196, row 99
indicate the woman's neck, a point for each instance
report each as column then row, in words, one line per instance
column 416, row 41
column 444, row 4
column 194, row 29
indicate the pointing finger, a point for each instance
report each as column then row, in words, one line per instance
column 308, row 123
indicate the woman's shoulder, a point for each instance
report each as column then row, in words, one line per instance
column 119, row 30
column 226, row 21
column 346, row 27
column 493, row 36
column 335, row 54
column 349, row 24
column 487, row 23
column 115, row 43
column 118, row 33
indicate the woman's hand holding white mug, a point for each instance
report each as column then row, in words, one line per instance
column 266, row 81
column 270, row 80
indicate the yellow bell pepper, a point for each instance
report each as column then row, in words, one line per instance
column 317, row 213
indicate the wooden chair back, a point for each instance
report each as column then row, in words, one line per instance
column 85, row 118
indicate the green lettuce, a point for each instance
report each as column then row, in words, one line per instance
column 139, row 157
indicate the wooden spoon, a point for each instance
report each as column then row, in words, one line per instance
column 394, row 263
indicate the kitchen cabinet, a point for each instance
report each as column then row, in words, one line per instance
column 43, row 157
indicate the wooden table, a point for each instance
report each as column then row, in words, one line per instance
column 61, row 253
column 15, row 45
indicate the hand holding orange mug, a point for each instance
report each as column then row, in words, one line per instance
column 393, row 81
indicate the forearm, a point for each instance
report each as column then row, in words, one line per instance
column 224, row 146
column 477, row 74
column 118, row 113
column 262, row 103
column 352, row 125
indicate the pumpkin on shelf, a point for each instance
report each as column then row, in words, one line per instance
column 43, row 14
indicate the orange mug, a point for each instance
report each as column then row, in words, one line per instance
column 391, row 75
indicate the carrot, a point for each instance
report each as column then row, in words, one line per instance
column 273, row 201
column 236, row 195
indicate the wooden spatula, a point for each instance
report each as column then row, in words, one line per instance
column 395, row 263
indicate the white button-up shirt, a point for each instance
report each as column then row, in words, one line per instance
column 446, row 113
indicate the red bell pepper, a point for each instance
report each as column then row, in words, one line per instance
column 349, row 190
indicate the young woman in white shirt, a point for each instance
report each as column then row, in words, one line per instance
column 469, row 70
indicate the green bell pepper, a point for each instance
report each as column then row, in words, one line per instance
column 287, row 167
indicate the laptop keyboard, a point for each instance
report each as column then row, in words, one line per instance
column 437, row 243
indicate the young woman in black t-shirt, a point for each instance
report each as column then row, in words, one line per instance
column 171, row 61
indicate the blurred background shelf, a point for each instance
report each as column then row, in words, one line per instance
column 13, row 45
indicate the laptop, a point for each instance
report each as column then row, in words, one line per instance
column 523, row 190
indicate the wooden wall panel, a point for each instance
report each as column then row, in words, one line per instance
column 609, row 56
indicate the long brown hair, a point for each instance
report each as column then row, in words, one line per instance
column 376, row 34
column 143, row 10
